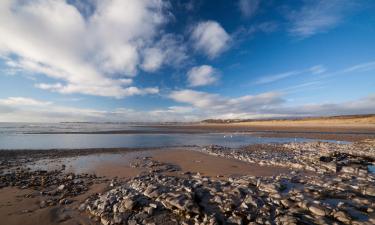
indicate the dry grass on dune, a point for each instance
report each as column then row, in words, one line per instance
column 363, row 121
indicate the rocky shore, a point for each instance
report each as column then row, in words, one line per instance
column 330, row 183
column 319, row 157
column 195, row 199
column 343, row 195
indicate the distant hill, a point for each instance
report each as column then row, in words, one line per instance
column 362, row 118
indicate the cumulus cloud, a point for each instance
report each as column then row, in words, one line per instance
column 21, row 101
column 265, row 105
column 211, row 38
column 202, row 75
column 210, row 102
column 21, row 109
column 317, row 16
column 364, row 105
column 197, row 106
column 169, row 50
column 248, row 7
column 87, row 50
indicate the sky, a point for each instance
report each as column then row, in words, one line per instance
column 185, row 60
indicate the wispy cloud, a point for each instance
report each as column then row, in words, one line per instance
column 22, row 101
column 248, row 7
column 220, row 104
column 362, row 67
column 21, row 109
column 272, row 78
column 266, row 105
column 354, row 69
column 316, row 70
column 317, row 16
column 197, row 106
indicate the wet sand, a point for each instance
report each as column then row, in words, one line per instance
column 17, row 209
column 340, row 132
column 214, row 166
column 118, row 164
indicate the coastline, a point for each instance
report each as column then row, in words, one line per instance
column 330, row 132
column 268, row 170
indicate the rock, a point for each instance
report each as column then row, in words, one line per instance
column 348, row 169
column 317, row 210
column 118, row 219
column 128, row 203
column 61, row 187
column 132, row 222
column 153, row 205
column 286, row 203
column 342, row 217
column 43, row 204
column 82, row 207
column 105, row 221
column 271, row 188
column 369, row 191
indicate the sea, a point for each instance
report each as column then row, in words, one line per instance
column 15, row 136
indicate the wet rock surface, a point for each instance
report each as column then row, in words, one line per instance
column 55, row 186
column 194, row 199
column 330, row 183
column 344, row 195
column 153, row 166
column 319, row 157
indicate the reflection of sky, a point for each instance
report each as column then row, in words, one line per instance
column 70, row 141
column 371, row 168
column 21, row 128
column 87, row 163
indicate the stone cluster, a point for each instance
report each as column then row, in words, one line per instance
column 153, row 166
column 193, row 199
column 320, row 157
column 56, row 186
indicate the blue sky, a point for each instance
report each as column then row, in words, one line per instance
column 154, row 60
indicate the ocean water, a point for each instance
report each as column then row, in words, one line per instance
column 60, row 136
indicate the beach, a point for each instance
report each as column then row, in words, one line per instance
column 277, row 183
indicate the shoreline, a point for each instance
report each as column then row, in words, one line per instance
column 263, row 183
column 328, row 132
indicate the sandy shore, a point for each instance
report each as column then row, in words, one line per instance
column 341, row 132
column 349, row 128
column 300, row 181
column 107, row 164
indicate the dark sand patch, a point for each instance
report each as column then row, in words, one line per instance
column 16, row 209
column 209, row 165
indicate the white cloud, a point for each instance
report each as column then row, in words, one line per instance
column 21, row 109
column 210, row 38
column 169, row 50
column 248, row 7
column 265, row 105
column 317, row 16
column 364, row 105
column 202, row 75
column 220, row 104
column 87, row 54
column 273, row 78
column 200, row 105
column 315, row 70
column 21, row 101
column 363, row 67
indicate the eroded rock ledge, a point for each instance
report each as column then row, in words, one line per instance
column 343, row 194
column 195, row 199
